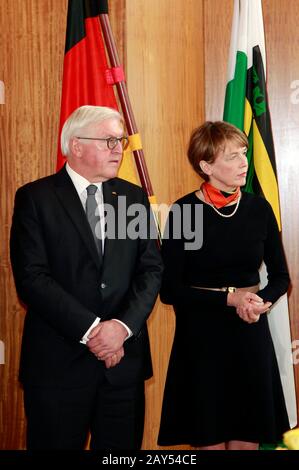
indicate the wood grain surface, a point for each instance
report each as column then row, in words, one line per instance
column 175, row 55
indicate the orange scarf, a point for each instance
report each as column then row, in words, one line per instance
column 218, row 198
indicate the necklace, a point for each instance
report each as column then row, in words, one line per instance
column 225, row 215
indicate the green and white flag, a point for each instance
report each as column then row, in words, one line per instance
column 246, row 106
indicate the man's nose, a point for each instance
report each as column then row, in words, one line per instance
column 118, row 148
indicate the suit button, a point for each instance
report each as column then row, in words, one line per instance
column 103, row 285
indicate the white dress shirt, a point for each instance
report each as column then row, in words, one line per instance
column 81, row 184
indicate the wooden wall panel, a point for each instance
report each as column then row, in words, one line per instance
column 283, row 69
column 165, row 80
column 282, row 45
column 217, row 20
column 165, row 53
column 32, row 44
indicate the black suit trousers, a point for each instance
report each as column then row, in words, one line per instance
column 60, row 419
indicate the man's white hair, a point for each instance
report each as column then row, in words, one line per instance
column 82, row 118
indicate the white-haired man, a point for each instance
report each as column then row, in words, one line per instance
column 85, row 349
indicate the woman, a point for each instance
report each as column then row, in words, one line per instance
column 223, row 388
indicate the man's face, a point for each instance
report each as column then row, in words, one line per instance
column 92, row 158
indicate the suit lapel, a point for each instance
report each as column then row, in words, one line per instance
column 69, row 199
column 110, row 194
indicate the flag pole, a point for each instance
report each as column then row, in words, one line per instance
column 125, row 104
column 128, row 113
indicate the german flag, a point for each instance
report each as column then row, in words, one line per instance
column 246, row 106
column 85, row 70
column 85, row 62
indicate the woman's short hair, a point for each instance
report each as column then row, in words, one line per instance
column 207, row 139
column 82, row 118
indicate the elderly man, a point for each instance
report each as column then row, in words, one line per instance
column 89, row 287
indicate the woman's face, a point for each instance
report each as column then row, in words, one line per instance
column 229, row 169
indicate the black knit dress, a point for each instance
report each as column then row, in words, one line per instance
column 223, row 381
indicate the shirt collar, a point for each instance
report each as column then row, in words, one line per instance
column 79, row 181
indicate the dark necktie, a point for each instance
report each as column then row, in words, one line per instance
column 93, row 217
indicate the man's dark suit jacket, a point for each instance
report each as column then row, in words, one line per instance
column 59, row 277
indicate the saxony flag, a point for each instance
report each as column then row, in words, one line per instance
column 246, row 106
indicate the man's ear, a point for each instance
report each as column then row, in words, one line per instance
column 205, row 167
column 75, row 147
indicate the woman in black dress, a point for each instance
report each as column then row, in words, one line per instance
column 223, row 388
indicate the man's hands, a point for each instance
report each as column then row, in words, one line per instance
column 249, row 306
column 106, row 342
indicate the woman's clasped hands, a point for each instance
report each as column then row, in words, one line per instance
column 249, row 306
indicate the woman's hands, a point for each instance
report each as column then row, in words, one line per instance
column 249, row 306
